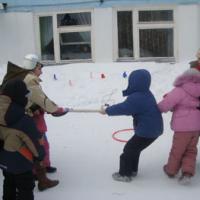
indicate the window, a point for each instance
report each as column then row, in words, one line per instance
column 155, row 15
column 74, row 36
column 125, row 31
column 75, row 45
column 156, row 42
column 145, row 34
column 74, row 19
column 65, row 37
column 46, row 38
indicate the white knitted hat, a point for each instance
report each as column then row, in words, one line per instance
column 30, row 61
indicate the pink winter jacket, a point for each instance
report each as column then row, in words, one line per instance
column 183, row 102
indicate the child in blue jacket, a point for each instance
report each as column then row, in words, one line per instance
column 147, row 121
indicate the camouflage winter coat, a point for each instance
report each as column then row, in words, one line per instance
column 21, row 139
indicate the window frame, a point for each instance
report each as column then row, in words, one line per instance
column 137, row 26
column 64, row 29
column 126, row 58
column 38, row 43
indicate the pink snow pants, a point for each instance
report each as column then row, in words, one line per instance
column 183, row 153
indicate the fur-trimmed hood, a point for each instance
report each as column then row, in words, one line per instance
column 189, row 81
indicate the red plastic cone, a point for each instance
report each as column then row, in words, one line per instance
column 103, row 76
column 70, row 83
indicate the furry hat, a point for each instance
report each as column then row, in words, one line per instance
column 192, row 74
column 192, row 71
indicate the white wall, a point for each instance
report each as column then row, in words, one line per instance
column 188, row 25
column 103, row 35
column 16, row 37
column 17, row 34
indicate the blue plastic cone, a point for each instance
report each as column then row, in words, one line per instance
column 125, row 75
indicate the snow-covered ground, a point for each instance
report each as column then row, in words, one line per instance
column 82, row 147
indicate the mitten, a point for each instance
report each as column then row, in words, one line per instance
column 103, row 109
column 165, row 95
column 60, row 112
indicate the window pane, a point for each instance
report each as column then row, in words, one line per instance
column 46, row 38
column 75, row 45
column 125, row 33
column 155, row 15
column 156, row 43
column 72, row 19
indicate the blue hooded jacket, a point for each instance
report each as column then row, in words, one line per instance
column 141, row 104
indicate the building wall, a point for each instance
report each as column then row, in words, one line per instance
column 17, row 36
column 103, row 35
column 188, row 25
column 38, row 5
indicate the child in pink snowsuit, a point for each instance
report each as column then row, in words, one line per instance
column 183, row 102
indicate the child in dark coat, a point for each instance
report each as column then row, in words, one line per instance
column 147, row 122
column 21, row 142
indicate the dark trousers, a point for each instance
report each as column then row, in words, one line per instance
column 1, row 144
column 18, row 186
column 129, row 159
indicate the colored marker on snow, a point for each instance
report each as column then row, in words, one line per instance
column 91, row 75
column 103, row 76
column 54, row 77
column 125, row 75
column 70, row 83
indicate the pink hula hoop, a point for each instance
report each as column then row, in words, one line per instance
column 120, row 131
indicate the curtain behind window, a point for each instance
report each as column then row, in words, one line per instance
column 46, row 38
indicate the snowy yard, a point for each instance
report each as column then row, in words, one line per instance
column 82, row 147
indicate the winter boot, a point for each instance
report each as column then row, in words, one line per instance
column 170, row 175
column 43, row 181
column 133, row 174
column 185, row 179
column 118, row 177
